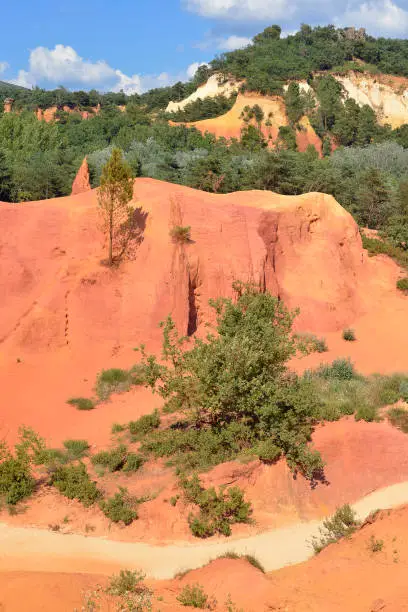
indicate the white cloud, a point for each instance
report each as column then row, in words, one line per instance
column 233, row 42
column 254, row 10
column 3, row 67
column 378, row 17
column 64, row 66
column 192, row 68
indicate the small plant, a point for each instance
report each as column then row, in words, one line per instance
column 81, row 403
column 73, row 481
column 375, row 545
column 181, row 234
column 193, row 595
column 218, row 511
column 367, row 413
column 255, row 562
column 120, row 507
column 117, row 428
column 349, row 335
column 399, row 418
column 144, row 425
column 126, row 581
column 268, row 452
column 342, row 524
column 111, row 381
column 173, row 500
column 113, row 460
column 133, row 462
column 65, row 520
column 340, row 369
column 309, row 343
column 76, row 449
column 402, row 284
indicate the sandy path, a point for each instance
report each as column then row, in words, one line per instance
column 38, row 550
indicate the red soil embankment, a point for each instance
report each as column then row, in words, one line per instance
column 64, row 316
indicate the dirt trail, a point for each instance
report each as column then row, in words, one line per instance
column 27, row 549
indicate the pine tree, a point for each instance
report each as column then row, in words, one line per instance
column 114, row 195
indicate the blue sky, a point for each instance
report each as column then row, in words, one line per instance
column 139, row 44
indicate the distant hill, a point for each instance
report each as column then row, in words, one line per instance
column 11, row 87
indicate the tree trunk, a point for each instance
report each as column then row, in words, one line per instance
column 110, row 258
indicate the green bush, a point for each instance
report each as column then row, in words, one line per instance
column 127, row 581
column 73, row 481
column 111, row 381
column 16, row 479
column 309, row 343
column 399, row 418
column 402, row 284
column 117, row 428
column 340, row 369
column 237, row 380
column 349, row 335
column 133, row 462
column 82, row 403
column 218, row 511
column 367, row 413
column 76, row 449
column 145, row 424
column 193, row 595
column 268, row 452
column 120, row 507
column 181, row 234
column 113, row 460
column 342, row 524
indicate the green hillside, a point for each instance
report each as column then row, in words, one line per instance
column 366, row 174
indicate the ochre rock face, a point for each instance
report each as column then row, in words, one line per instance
column 306, row 250
column 230, row 124
column 81, row 182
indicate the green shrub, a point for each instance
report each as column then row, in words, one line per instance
column 367, row 413
column 193, row 595
column 181, row 234
column 402, row 284
column 342, row 524
column 399, row 418
column 340, row 369
column 117, row 428
column 16, row 481
column 73, row 481
column 309, row 343
column 113, row 460
column 349, row 335
column 218, row 511
column 375, row 545
column 133, row 462
column 145, row 424
column 82, row 403
column 111, row 381
column 120, row 507
column 127, row 581
column 129, row 588
column 239, row 379
column 76, row 449
column 268, row 452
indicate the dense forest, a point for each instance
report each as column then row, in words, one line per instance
column 366, row 174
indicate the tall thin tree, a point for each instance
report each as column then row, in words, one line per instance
column 115, row 193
